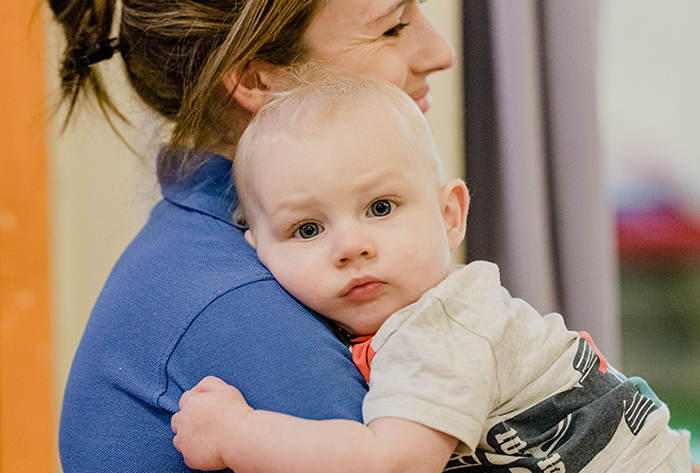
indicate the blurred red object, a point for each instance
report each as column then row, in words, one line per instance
column 662, row 234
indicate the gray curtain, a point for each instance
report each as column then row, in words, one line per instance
column 540, row 206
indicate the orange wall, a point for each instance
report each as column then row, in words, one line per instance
column 27, row 430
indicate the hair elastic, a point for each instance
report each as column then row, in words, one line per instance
column 97, row 53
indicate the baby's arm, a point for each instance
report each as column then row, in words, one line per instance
column 216, row 429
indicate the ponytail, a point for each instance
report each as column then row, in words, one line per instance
column 87, row 25
column 176, row 53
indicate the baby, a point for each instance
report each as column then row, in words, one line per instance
column 346, row 203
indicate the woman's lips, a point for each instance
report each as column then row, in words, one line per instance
column 422, row 98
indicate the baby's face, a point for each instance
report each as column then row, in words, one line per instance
column 349, row 222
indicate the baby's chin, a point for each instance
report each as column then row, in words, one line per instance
column 358, row 332
column 368, row 328
column 366, row 318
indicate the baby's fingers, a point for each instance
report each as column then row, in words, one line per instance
column 210, row 383
column 186, row 397
column 173, row 422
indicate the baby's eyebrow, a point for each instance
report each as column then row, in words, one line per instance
column 293, row 204
column 286, row 212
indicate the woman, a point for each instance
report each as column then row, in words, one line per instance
column 189, row 298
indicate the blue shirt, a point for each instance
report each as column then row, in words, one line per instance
column 187, row 299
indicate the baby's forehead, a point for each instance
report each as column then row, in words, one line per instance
column 302, row 118
column 282, row 136
column 360, row 120
column 291, row 134
column 316, row 112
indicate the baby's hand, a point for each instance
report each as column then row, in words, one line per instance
column 206, row 424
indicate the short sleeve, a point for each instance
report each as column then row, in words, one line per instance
column 433, row 371
column 281, row 356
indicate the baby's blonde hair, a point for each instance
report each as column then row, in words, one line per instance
column 317, row 97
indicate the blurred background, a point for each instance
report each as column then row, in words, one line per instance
column 649, row 108
column 575, row 124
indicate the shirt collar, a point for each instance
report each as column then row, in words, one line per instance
column 209, row 190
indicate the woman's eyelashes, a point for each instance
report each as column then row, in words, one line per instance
column 395, row 31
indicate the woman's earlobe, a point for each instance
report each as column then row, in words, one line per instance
column 250, row 87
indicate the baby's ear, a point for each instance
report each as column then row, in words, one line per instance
column 250, row 238
column 454, row 200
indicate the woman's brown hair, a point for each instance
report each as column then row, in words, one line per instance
column 176, row 53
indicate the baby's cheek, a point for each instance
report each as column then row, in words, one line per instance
column 302, row 283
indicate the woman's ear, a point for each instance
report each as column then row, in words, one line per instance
column 251, row 87
column 454, row 200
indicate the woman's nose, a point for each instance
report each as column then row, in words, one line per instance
column 432, row 52
column 352, row 246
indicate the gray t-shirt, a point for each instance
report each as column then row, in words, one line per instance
column 518, row 390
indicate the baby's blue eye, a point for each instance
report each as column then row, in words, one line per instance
column 381, row 208
column 308, row 230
